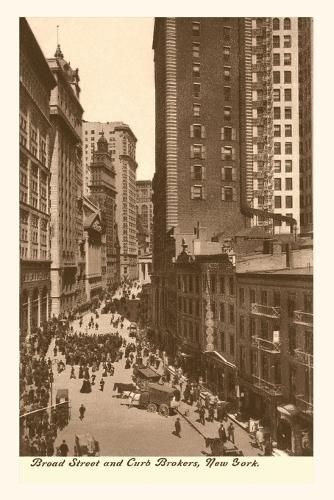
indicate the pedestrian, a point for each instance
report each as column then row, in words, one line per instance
column 102, row 382
column 202, row 415
column 63, row 448
column 260, row 437
column 82, row 411
column 268, row 450
column 230, row 432
column 93, row 379
column 211, row 413
column 178, row 427
column 222, row 433
column 72, row 373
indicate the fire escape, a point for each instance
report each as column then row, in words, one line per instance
column 265, row 165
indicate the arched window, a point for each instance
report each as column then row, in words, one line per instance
column 275, row 23
column 287, row 23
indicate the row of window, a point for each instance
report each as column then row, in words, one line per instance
column 287, row 58
column 286, row 23
column 189, row 330
column 278, row 184
column 277, row 41
column 287, row 130
column 287, row 113
column 196, row 30
column 199, row 192
column 222, row 284
column 277, row 95
column 223, row 312
column 286, row 74
column 278, row 148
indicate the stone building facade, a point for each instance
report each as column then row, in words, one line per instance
column 36, row 83
column 122, row 148
column 103, row 194
column 68, row 264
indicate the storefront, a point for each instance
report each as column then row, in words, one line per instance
column 219, row 375
column 294, row 431
column 189, row 360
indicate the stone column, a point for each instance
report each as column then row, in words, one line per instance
column 29, row 315
column 39, row 310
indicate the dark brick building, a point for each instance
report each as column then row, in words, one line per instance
column 275, row 352
column 197, row 178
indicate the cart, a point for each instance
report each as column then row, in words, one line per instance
column 156, row 397
column 62, row 407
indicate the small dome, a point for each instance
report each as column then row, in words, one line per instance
column 102, row 139
column 102, row 143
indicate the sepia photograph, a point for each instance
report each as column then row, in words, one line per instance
column 166, row 237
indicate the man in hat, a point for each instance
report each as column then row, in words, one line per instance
column 82, row 411
column 63, row 448
column 222, row 433
column 178, row 427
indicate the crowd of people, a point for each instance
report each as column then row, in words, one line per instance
column 38, row 425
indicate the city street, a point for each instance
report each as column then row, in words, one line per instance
column 131, row 431
column 120, row 430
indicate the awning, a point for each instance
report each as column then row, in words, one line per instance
column 288, row 410
column 218, row 357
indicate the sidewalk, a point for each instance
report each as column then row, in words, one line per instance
column 210, row 430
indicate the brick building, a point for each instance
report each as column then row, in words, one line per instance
column 36, row 83
column 305, row 33
column 198, row 176
column 206, row 320
column 275, row 345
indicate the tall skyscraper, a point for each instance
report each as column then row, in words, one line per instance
column 122, row 148
column 197, row 174
column 103, row 194
column 275, row 67
column 197, row 181
column 68, row 263
column 227, row 133
column 36, row 82
column 305, row 123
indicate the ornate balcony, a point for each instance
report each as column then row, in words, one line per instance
column 268, row 311
column 267, row 387
column 303, row 318
column 304, row 406
column 266, row 345
column 304, row 358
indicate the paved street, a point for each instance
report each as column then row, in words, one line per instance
column 120, row 430
column 131, row 431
